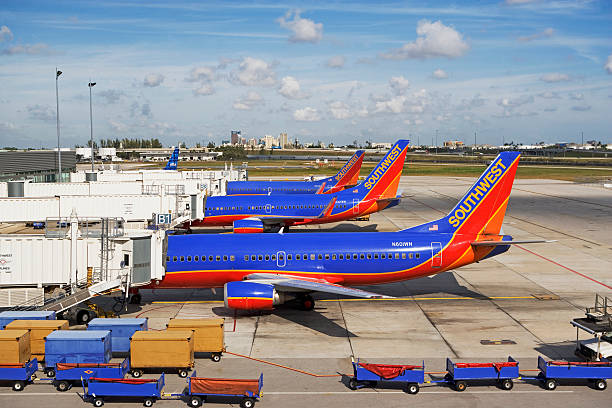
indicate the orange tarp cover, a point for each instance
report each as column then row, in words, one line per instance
column 125, row 380
column 498, row 366
column 223, row 386
column 68, row 366
column 388, row 371
column 589, row 363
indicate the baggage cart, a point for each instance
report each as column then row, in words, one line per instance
column 19, row 374
column 8, row 316
column 162, row 350
column 14, row 346
column 121, row 330
column 76, row 346
column 208, row 335
column 459, row 374
column 200, row 389
column 596, row 372
column 372, row 374
column 67, row 374
column 97, row 390
column 39, row 329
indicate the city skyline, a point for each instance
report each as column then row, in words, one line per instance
column 516, row 70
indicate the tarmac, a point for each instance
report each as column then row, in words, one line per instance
column 517, row 304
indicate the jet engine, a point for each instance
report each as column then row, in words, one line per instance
column 246, row 295
column 248, row 226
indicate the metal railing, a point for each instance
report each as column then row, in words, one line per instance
column 602, row 309
column 89, row 227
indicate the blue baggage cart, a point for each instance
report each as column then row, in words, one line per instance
column 76, row 346
column 10, row 315
column 97, row 390
column 460, row 373
column 121, row 330
column 595, row 372
column 372, row 374
column 199, row 389
column 67, row 374
column 19, row 375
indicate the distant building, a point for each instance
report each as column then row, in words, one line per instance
column 269, row 141
column 252, row 142
column 283, row 140
column 383, row 145
column 36, row 165
column 453, row 144
column 235, row 137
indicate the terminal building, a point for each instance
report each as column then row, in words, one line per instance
column 40, row 166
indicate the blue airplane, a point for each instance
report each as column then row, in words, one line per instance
column 173, row 162
column 260, row 213
column 262, row 271
column 347, row 177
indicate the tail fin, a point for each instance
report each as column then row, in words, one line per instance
column 349, row 173
column 482, row 208
column 173, row 162
column 382, row 182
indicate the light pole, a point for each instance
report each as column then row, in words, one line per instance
column 436, row 141
column 91, row 85
column 59, row 152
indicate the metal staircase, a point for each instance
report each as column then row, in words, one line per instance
column 602, row 311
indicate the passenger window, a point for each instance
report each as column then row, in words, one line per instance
column 197, row 258
column 369, row 256
column 246, row 257
column 289, row 257
column 211, row 258
column 232, row 258
column 397, row 255
column 410, row 255
column 218, row 258
column 305, row 257
column 403, row 255
column 267, row 257
column 312, row 257
column 174, row 259
column 260, row 257
column 375, row 256
column 167, row 259
column 341, row 257
column 253, row 258
column 361, row 256
column 333, row 257
column 320, row 256
column 189, row 259
column 327, row 257
column 281, row 257
column 297, row 257
column 182, row 259
column 225, row 257
column 274, row 257
column 417, row 255
column 383, row 256
column 355, row 256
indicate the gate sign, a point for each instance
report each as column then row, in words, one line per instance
column 163, row 218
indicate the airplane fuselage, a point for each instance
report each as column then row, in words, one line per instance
column 283, row 187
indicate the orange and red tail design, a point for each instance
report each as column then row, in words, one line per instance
column 349, row 173
column 383, row 181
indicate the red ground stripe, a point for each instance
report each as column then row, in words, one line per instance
column 564, row 267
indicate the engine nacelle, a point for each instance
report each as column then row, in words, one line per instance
column 251, row 296
column 248, row 226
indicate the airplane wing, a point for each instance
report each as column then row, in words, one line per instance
column 498, row 243
column 279, row 219
column 288, row 283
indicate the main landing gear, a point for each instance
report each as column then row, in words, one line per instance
column 306, row 302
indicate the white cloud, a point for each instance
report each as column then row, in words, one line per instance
column 5, row 34
column 434, row 40
column 248, row 101
column 41, row 112
column 393, row 105
column 554, row 77
column 110, row 96
column 608, row 65
column 7, row 126
column 418, row 122
column 28, row 49
column 511, row 103
column 337, row 61
column 303, row 29
column 340, row 110
column 399, row 84
column 201, row 74
column 118, row 126
column 290, row 88
column 205, row 89
column 577, row 96
column 549, row 95
column 542, row 34
column 254, row 72
column 153, row 80
column 581, row 108
column 306, row 115
column 439, row 74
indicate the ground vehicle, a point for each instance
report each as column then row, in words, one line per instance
column 372, row 374
column 553, row 371
column 97, row 390
column 199, row 389
column 459, row 374
column 66, row 374
column 20, row 375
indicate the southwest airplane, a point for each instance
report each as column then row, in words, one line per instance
column 173, row 162
column 262, row 271
column 347, row 177
column 259, row 213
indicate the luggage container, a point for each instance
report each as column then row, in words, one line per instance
column 121, row 331
column 19, row 374
column 595, row 372
column 161, row 349
column 148, row 391
column 14, row 347
column 9, row 316
column 207, row 334
column 39, row 329
column 503, row 373
column 373, row 374
column 67, row 374
column 76, row 346
column 200, row 389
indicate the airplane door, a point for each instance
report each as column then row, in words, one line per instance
column 280, row 259
column 355, row 206
column 268, row 209
column 436, row 254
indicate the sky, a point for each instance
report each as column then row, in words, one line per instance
column 523, row 71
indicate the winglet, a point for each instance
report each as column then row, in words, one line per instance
column 320, row 190
column 328, row 209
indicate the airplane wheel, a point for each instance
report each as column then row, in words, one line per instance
column 136, row 299
column 307, row 303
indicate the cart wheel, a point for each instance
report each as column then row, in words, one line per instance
column 352, row 384
column 62, row 386
column 247, row 403
column 412, row 388
column 460, row 386
column 506, row 384
column 18, row 386
column 148, row 402
column 183, row 373
column 98, row 402
column 601, row 385
column 83, row 317
column 136, row 373
column 216, row 357
column 195, row 401
column 50, row 372
column 550, row 384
